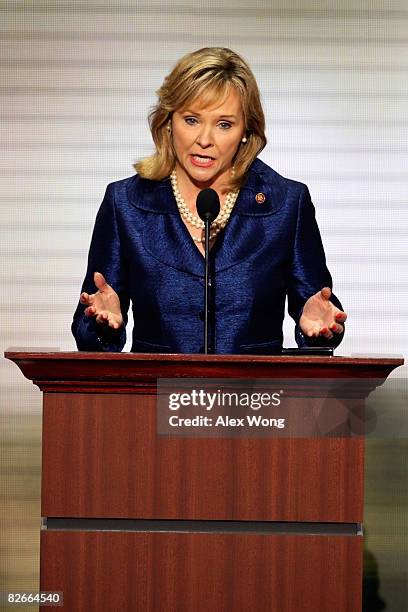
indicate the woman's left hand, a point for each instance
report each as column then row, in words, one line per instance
column 321, row 317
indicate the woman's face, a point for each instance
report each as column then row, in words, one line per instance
column 206, row 140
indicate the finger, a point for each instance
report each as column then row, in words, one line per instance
column 103, row 317
column 341, row 317
column 90, row 312
column 100, row 281
column 85, row 298
column 336, row 328
column 115, row 321
column 326, row 333
column 325, row 293
column 313, row 332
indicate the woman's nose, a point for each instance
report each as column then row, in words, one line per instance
column 205, row 137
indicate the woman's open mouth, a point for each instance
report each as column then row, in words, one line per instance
column 203, row 161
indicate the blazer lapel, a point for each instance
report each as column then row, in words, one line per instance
column 165, row 236
column 244, row 234
column 242, row 237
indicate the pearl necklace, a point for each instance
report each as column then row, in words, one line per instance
column 218, row 224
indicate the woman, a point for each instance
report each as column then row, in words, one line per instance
column 147, row 246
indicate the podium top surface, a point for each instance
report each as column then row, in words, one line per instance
column 40, row 354
column 55, row 370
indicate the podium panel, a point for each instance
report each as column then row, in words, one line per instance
column 116, row 465
column 193, row 572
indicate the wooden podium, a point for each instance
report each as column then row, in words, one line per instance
column 134, row 521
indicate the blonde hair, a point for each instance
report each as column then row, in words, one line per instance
column 207, row 74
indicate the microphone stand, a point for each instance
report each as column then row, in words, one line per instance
column 208, row 208
column 207, row 281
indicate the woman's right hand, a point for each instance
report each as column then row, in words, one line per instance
column 104, row 304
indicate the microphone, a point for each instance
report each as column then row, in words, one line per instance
column 208, row 205
column 208, row 208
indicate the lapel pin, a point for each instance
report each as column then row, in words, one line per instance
column 260, row 198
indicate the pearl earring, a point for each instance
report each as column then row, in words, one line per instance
column 169, row 127
column 244, row 139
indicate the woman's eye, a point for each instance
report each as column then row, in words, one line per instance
column 225, row 125
column 190, row 120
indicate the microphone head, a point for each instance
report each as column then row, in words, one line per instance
column 208, row 205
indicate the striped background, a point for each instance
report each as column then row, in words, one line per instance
column 76, row 84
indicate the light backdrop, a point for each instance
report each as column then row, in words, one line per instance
column 77, row 83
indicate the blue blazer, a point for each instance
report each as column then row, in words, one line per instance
column 268, row 251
